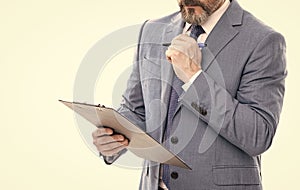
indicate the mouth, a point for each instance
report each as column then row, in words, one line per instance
column 197, row 7
column 190, row 6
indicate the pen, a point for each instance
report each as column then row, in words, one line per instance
column 201, row 45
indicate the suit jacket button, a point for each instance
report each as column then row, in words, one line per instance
column 194, row 105
column 174, row 140
column 204, row 112
column 174, row 175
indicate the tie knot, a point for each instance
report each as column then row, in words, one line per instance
column 196, row 30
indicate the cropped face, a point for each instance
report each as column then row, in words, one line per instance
column 197, row 11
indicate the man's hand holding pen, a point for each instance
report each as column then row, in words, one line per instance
column 185, row 56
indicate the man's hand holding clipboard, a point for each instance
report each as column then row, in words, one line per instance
column 108, row 143
column 116, row 134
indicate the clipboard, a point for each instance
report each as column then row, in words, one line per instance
column 140, row 143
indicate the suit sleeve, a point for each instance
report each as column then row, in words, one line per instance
column 132, row 105
column 248, row 120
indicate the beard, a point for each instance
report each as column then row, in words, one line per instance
column 189, row 14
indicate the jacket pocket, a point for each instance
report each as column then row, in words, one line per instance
column 236, row 175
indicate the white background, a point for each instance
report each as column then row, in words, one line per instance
column 41, row 46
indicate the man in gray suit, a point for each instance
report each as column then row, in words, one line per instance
column 228, row 102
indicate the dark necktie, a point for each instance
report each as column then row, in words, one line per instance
column 176, row 91
column 196, row 30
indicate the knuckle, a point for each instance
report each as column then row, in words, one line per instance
column 167, row 52
column 104, row 148
column 108, row 147
column 104, row 153
column 100, row 149
column 94, row 134
column 126, row 142
column 116, row 137
column 97, row 133
column 103, row 140
column 108, row 153
column 121, row 137
column 111, row 153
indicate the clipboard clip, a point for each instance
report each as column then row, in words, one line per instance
column 100, row 107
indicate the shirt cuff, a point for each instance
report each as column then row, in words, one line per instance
column 187, row 85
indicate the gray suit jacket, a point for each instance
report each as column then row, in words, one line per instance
column 227, row 118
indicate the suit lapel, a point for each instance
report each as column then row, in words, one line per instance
column 222, row 34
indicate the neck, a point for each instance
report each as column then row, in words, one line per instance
column 220, row 5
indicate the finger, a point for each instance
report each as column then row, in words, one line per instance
column 114, row 151
column 170, row 53
column 101, row 132
column 108, row 139
column 111, row 146
column 108, row 147
column 178, row 49
column 174, row 55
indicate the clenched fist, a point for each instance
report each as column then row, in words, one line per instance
column 185, row 56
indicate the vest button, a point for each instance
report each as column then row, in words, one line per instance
column 174, row 175
column 174, row 140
